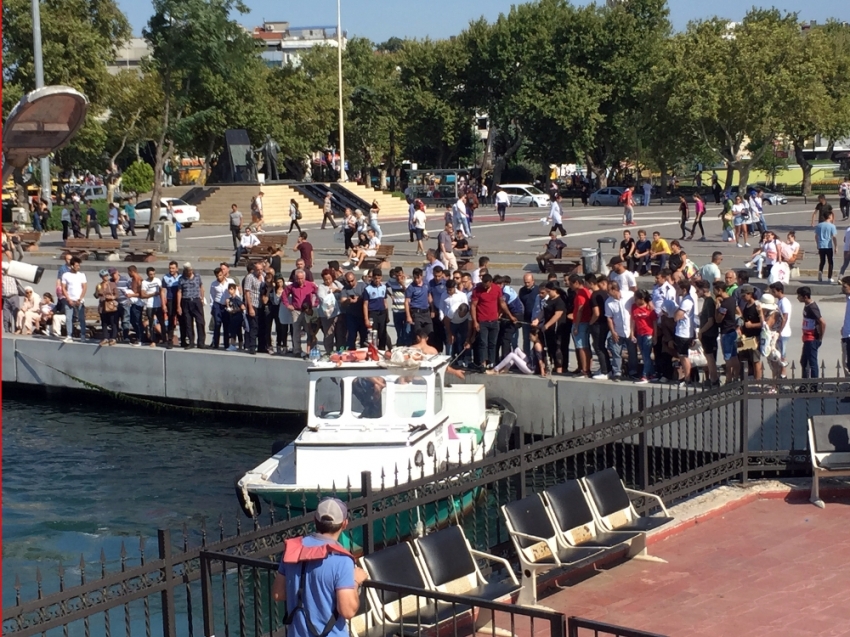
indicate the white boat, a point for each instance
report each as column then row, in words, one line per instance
column 400, row 421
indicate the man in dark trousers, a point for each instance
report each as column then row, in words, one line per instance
column 190, row 306
column 375, row 307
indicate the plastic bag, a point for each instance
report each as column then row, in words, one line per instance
column 779, row 273
column 696, row 356
column 177, row 226
column 339, row 235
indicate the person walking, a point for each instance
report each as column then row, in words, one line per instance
column 235, row 225
column 295, row 216
column 826, row 237
column 502, row 203
column 699, row 211
column 628, row 201
column 327, row 211
column 685, row 214
column 844, row 197
column 556, row 215
column 91, row 221
column 318, row 563
column 814, row 328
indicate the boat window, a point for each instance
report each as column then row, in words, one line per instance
column 328, row 398
column 367, row 396
column 438, row 394
column 411, row 397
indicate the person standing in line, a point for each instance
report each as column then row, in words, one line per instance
column 783, row 305
column 709, row 330
column 152, row 293
column 618, row 309
column 397, row 286
column 487, row 303
column 554, row 315
column 827, row 242
column 726, row 317
column 556, row 215
column 845, row 327
column 699, row 212
column 327, row 211
column 300, row 299
column 190, row 305
column 91, row 221
column 685, row 329
column 74, row 287
column 235, row 225
column 65, row 218
column 528, row 296
column 253, row 288
column 218, row 309
column 582, row 313
column 598, row 326
column 318, row 563
column 814, row 328
column 106, row 292
column 169, row 283
column 502, row 203
column 295, row 216
column 844, row 197
column 643, row 327
column 375, row 314
column 740, row 218
column 327, row 293
column 445, row 248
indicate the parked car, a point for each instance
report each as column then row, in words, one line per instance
column 525, row 195
column 768, row 196
column 185, row 213
column 606, row 196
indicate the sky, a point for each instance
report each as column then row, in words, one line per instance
column 379, row 20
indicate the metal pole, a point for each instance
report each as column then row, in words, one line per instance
column 342, row 175
column 39, row 83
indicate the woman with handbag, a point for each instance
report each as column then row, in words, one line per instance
column 106, row 292
column 294, row 216
column 770, row 330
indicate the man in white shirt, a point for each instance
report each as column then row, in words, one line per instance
column 502, row 203
column 556, row 215
column 783, row 305
column 618, row 307
column 74, row 287
column 685, row 330
column 248, row 241
column 153, row 295
column 618, row 273
column 459, row 219
column 218, row 309
column 113, row 220
column 454, row 310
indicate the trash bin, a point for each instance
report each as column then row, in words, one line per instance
column 165, row 234
column 589, row 260
column 603, row 258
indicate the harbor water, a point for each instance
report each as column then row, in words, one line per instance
column 86, row 473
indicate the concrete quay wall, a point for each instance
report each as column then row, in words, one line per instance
column 266, row 382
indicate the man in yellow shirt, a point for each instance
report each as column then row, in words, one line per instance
column 659, row 252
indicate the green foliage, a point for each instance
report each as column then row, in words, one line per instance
column 138, row 178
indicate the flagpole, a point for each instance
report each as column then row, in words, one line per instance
column 342, row 175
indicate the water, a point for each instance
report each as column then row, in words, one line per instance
column 85, row 473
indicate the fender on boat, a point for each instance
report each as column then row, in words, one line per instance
column 248, row 502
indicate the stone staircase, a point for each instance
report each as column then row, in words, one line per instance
column 216, row 207
column 390, row 206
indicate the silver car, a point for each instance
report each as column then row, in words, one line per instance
column 609, row 196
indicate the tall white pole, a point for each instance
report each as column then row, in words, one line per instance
column 342, row 175
column 39, row 83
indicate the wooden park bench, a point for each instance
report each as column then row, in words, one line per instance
column 29, row 240
column 100, row 248
column 829, row 446
column 141, row 250
column 268, row 245
column 568, row 262
column 466, row 261
column 382, row 256
column 94, row 329
column 795, row 269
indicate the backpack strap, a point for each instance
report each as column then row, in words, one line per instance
column 299, row 605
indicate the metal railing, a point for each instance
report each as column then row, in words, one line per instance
column 237, row 600
column 671, row 442
column 578, row 627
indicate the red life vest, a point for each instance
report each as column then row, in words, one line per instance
column 294, row 551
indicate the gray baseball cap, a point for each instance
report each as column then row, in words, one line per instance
column 331, row 510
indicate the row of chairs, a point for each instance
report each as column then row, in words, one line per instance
column 576, row 524
column 568, row 526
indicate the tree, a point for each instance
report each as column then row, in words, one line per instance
column 737, row 115
column 192, row 42
column 138, row 178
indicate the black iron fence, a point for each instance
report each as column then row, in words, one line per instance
column 237, row 601
column 670, row 442
column 578, row 627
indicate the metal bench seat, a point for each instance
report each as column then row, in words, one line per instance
column 613, row 508
column 829, row 445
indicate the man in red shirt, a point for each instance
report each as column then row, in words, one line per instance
column 487, row 303
column 628, row 201
column 582, row 311
column 305, row 249
column 300, row 299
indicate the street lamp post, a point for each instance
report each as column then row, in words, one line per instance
column 342, row 175
column 39, row 83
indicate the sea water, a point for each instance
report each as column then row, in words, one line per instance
column 86, row 473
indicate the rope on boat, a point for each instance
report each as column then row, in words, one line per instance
column 144, row 402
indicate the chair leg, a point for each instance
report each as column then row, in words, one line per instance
column 638, row 551
column 528, row 592
column 485, row 624
column 815, row 495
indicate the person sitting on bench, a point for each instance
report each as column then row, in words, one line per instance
column 361, row 253
column 553, row 250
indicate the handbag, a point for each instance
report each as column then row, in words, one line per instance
column 110, row 305
column 298, row 215
column 696, row 355
column 746, row 343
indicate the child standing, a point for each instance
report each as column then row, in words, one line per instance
column 236, row 309
column 644, row 321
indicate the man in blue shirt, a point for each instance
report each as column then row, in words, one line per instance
column 437, row 292
column 169, row 282
column 433, row 262
column 317, row 577
column 375, row 308
column 417, row 303
column 826, row 236
column 91, row 215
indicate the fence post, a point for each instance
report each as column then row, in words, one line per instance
column 558, row 626
column 572, row 629
column 368, row 494
column 206, row 594
column 743, row 427
column 169, row 626
column 644, row 447
column 519, row 479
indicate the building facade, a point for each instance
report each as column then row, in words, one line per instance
column 283, row 44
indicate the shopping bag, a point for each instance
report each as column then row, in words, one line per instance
column 696, row 355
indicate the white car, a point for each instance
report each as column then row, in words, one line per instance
column 525, row 195
column 606, row 196
column 186, row 214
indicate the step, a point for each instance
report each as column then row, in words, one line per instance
column 276, row 198
column 389, row 205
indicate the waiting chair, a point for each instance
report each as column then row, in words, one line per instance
column 398, row 565
column 536, row 543
column 829, row 442
column 609, row 498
